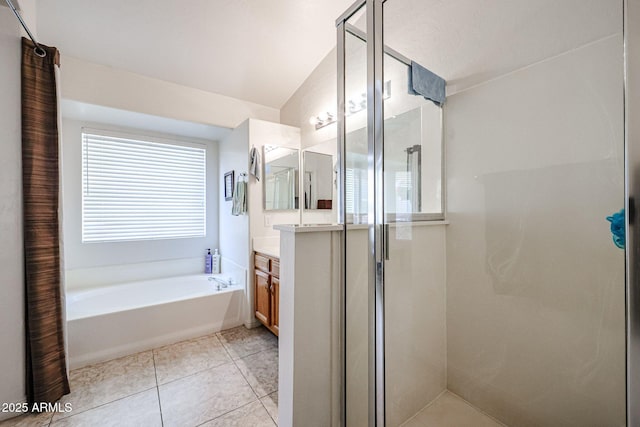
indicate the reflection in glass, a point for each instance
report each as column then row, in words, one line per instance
column 318, row 180
column 357, row 345
column 280, row 178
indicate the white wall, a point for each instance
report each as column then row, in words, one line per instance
column 110, row 87
column 316, row 95
column 12, row 339
column 82, row 256
column 309, row 381
column 535, row 286
column 233, row 155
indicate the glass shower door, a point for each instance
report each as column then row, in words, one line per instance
column 483, row 287
column 512, row 311
column 414, row 261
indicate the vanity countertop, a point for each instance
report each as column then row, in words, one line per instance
column 273, row 251
column 268, row 245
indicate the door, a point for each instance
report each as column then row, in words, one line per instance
column 507, row 307
column 263, row 297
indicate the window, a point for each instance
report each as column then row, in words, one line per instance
column 137, row 189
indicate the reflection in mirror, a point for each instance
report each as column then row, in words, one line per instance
column 280, row 178
column 413, row 167
column 413, row 163
column 318, row 180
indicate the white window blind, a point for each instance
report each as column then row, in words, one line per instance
column 137, row 190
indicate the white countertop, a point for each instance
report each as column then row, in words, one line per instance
column 273, row 251
column 268, row 245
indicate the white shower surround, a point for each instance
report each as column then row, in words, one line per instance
column 113, row 321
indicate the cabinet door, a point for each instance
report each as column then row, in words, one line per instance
column 262, row 297
column 275, row 304
column 261, row 262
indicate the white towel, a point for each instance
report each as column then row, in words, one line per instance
column 239, row 199
column 254, row 167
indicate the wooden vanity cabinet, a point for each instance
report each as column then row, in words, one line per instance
column 267, row 290
column 275, row 299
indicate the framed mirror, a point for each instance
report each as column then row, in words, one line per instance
column 317, row 181
column 281, row 175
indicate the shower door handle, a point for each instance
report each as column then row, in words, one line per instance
column 385, row 234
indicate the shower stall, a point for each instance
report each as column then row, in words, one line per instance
column 482, row 283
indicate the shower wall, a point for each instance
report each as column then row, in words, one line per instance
column 535, row 286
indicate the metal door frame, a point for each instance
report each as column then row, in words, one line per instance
column 375, row 128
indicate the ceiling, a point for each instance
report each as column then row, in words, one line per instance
column 254, row 50
column 261, row 51
column 468, row 42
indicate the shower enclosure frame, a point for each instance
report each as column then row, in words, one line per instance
column 631, row 33
column 377, row 231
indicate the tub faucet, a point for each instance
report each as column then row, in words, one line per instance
column 221, row 282
column 218, row 285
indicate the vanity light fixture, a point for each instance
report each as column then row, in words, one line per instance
column 353, row 106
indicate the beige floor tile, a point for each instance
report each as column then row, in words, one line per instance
column 253, row 415
column 450, row 410
column 204, row 396
column 141, row 409
column 188, row 357
column 102, row 383
column 29, row 420
column 413, row 422
column 261, row 371
column 270, row 402
column 241, row 342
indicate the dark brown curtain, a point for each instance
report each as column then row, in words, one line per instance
column 46, row 365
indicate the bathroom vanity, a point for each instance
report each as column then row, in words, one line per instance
column 267, row 290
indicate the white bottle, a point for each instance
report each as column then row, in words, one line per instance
column 215, row 264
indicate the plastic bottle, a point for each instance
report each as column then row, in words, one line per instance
column 216, row 263
column 208, row 262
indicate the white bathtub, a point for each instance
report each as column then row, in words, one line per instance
column 112, row 321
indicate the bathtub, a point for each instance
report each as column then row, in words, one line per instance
column 117, row 320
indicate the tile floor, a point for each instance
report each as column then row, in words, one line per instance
column 449, row 410
column 226, row 379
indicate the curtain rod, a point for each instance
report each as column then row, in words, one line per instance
column 38, row 49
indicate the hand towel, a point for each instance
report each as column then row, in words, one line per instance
column 254, row 168
column 424, row 82
column 239, row 198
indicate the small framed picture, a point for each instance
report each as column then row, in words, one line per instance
column 228, row 185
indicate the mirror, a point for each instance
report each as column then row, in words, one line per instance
column 281, row 167
column 318, row 180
